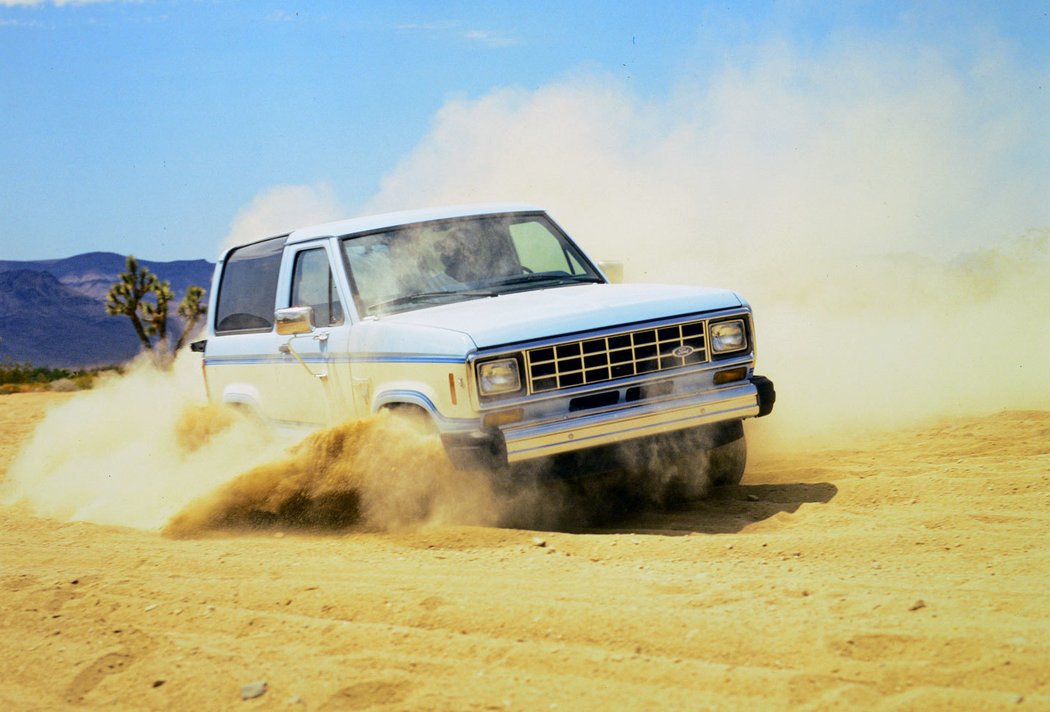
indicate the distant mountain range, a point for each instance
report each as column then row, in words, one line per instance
column 53, row 313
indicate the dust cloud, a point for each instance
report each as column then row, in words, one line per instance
column 881, row 205
column 383, row 471
column 281, row 209
column 146, row 450
column 386, row 472
column 134, row 450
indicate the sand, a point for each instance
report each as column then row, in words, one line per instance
column 907, row 571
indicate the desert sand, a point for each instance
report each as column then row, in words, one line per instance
column 906, row 571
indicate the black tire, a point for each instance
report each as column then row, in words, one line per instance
column 680, row 468
column 726, row 463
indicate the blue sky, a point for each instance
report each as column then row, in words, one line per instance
column 151, row 127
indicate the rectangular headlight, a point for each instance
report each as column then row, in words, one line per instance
column 500, row 376
column 727, row 336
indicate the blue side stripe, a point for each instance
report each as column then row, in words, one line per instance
column 405, row 358
column 324, row 358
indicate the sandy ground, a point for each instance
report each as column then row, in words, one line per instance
column 907, row 572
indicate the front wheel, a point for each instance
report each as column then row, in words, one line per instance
column 726, row 463
column 689, row 464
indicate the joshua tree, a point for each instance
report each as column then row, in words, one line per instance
column 125, row 297
column 144, row 299
column 191, row 310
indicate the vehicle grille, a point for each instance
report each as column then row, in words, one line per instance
column 607, row 358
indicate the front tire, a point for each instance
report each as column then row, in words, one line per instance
column 411, row 415
column 726, row 463
column 686, row 465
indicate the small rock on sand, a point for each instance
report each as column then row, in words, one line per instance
column 253, row 690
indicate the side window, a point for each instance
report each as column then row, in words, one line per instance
column 313, row 286
column 248, row 288
column 541, row 251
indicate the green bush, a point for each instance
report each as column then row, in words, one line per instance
column 28, row 373
column 21, row 377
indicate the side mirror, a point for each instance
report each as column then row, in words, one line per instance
column 294, row 320
column 613, row 271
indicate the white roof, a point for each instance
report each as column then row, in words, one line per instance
column 379, row 222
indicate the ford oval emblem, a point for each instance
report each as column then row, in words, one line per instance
column 683, row 351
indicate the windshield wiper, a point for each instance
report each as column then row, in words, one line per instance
column 534, row 278
column 427, row 296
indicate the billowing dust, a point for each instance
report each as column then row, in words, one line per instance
column 387, row 472
column 135, row 450
column 891, row 286
column 147, row 450
column 852, row 351
column 380, row 470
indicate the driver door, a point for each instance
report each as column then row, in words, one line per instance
column 315, row 368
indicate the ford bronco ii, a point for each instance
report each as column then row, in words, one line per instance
column 491, row 323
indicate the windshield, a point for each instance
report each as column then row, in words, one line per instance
column 467, row 258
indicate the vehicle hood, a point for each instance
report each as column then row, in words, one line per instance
column 543, row 313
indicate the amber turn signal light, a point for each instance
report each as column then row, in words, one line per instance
column 730, row 374
column 503, row 417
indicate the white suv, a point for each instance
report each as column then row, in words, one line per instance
column 493, row 324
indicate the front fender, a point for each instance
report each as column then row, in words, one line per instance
column 404, row 396
column 418, row 398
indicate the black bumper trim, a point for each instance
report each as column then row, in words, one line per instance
column 767, row 394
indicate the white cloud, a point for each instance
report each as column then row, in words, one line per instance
column 453, row 28
column 491, row 39
column 435, row 26
column 281, row 209
column 57, row 3
column 283, row 16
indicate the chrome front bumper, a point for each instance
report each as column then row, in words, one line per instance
column 578, row 431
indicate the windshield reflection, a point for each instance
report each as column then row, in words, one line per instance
column 445, row 261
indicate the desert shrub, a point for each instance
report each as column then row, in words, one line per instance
column 24, row 377
column 85, row 380
column 28, row 373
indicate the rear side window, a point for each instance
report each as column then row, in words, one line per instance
column 248, row 289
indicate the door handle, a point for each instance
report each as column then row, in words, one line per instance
column 286, row 348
